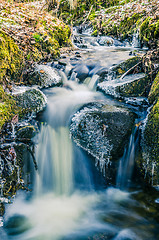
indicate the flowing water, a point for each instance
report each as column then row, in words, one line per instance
column 67, row 202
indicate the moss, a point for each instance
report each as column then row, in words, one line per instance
column 149, row 31
column 95, row 33
column 11, row 59
column 154, row 92
column 152, row 133
column 136, row 88
column 8, row 107
column 126, row 65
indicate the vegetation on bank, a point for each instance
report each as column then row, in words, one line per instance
column 8, row 107
column 120, row 18
column 28, row 34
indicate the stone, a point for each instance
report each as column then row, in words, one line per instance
column 134, row 85
column 26, row 132
column 30, row 101
column 82, row 71
column 43, row 75
column 102, row 130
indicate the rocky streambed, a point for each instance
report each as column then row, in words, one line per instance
column 102, row 94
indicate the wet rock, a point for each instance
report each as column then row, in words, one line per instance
column 135, row 88
column 135, row 85
column 105, row 41
column 150, row 138
column 126, row 65
column 92, row 65
column 103, row 71
column 102, row 130
column 154, row 92
column 26, row 132
column 43, row 75
column 31, row 101
column 82, row 72
column 62, row 62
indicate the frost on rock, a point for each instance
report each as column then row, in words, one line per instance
column 47, row 75
column 88, row 132
column 111, row 87
column 31, row 101
column 102, row 131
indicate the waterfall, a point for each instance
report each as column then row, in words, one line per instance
column 54, row 159
column 126, row 163
column 136, row 40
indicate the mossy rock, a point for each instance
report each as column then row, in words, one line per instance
column 26, row 132
column 11, row 59
column 149, row 32
column 31, row 102
column 125, row 66
column 8, row 107
column 137, row 88
column 151, row 143
column 42, row 75
column 154, row 92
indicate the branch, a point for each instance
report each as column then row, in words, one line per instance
column 130, row 70
column 87, row 15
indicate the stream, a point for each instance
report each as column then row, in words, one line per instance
column 70, row 198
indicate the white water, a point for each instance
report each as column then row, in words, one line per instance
column 55, row 171
column 126, row 163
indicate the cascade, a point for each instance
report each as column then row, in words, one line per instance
column 136, row 39
column 54, row 164
column 126, row 163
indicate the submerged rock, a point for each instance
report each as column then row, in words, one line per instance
column 102, row 130
column 105, row 41
column 82, row 71
column 31, row 101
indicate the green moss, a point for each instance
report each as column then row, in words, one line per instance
column 11, row 59
column 154, row 92
column 136, row 88
column 126, row 65
column 152, row 133
column 8, row 107
column 149, row 31
column 95, row 33
column 37, row 37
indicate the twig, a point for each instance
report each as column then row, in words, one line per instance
column 130, row 70
column 87, row 15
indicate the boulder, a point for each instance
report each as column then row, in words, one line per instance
column 43, row 75
column 123, row 67
column 30, row 101
column 134, row 85
column 150, row 137
column 82, row 71
column 102, row 130
column 154, row 92
column 26, row 132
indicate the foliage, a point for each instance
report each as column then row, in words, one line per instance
column 154, row 92
column 8, row 107
column 11, row 58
